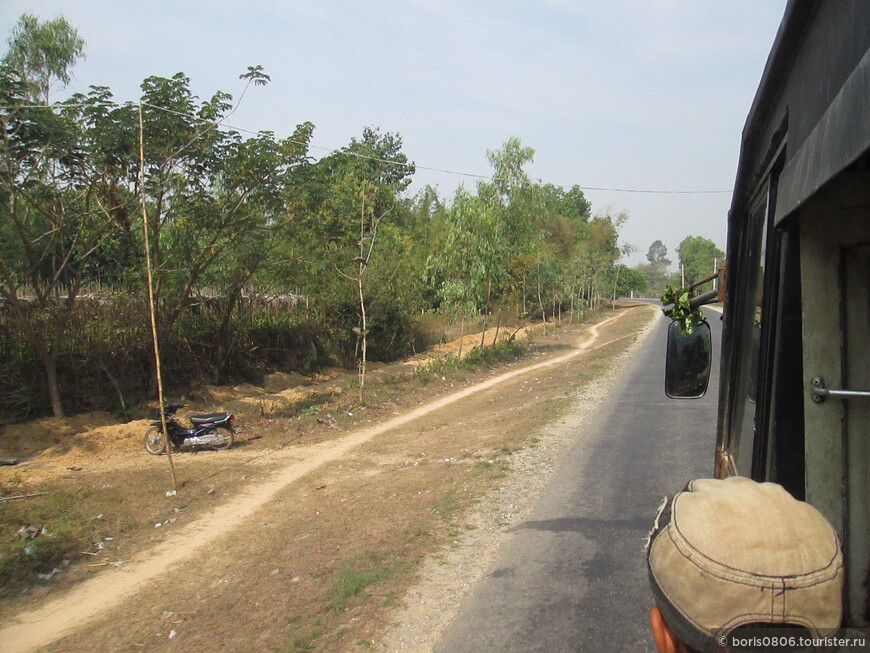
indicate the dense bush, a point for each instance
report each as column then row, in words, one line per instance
column 105, row 364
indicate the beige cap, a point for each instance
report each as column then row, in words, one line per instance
column 728, row 553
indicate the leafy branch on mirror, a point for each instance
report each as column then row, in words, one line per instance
column 681, row 309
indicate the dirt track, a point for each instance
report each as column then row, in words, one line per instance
column 304, row 517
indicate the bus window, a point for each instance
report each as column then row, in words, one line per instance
column 780, row 455
column 748, row 309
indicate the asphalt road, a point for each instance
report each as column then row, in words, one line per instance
column 573, row 577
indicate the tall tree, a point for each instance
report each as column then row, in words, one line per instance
column 44, row 53
column 514, row 205
column 656, row 270
column 473, row 260
column 602, row 251
column 357, row 196
column 69, row 178
column 55, row 214
column 490, row 233
column 378, row 158
column 50, row 213
column 207, row 189
column 698, row 255
column 657, row 255
column 255, row 190
column 508, row 174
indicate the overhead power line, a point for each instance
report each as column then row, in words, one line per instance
column 221, row 124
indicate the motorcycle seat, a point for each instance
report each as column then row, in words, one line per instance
column 209, row 417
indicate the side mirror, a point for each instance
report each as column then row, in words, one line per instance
column 687, row 367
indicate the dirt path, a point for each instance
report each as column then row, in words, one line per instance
column 95, row 598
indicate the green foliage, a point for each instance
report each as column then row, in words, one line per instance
column 263, row 258
column 378, row 159
column 305, row 641
column 656, row 270
column 42, row 52
column 393, row 332
column 507, row 349
column 697, row 256
column 602, row 236
column 215, row 203
column 681, row 309
column 630, row 282
column 256, row 75
column 522, row 243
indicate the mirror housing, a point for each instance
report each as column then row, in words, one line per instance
column 687, row 366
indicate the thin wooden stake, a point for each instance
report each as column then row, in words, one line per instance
column 22, row 496
column 151, row 301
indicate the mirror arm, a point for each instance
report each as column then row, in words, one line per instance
column 712, row 295
column 705, row 298
column 713, row 276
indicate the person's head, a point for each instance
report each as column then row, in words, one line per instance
column 724, row 555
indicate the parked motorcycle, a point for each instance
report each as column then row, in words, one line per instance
column 212, row 430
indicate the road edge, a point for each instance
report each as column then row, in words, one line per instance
column 449, row 577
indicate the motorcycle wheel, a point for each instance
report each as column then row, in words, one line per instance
column 228, row 438
column 155, row 443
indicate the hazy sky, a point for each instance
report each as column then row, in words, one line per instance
column 630, row 94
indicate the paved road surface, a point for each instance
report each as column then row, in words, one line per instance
column 573, row 578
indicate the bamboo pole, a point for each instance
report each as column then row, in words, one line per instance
column 151, row 301
column 363, row 262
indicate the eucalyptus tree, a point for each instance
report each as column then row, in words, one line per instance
column 512, row 239
column 43, row 53
column 599, row 252
column 560, row 229
column 500, row 225
column 473, row 257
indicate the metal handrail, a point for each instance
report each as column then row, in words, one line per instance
column 822, row 392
